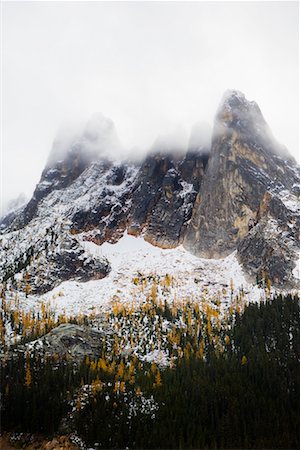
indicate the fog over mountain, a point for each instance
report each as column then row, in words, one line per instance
column 154, row 69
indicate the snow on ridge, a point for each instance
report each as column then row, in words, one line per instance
column 290, row 201
column 85, row 191
column 132, row 256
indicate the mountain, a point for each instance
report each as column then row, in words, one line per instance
column 126, row 285
column 241, row 193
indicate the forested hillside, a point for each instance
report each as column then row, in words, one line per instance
column 229, row 382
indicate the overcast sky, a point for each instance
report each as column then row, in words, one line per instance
column 150, row 66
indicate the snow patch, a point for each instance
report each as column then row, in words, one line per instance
column 296, row 270
column 290, row 201
column 133, row 256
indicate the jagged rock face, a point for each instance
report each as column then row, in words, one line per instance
column 243, row 165
column 105, row 215
column 164, row 195
column 270, row 246
column 171, row 212
column 147, row 190
column 57, row 176
column 193, row 166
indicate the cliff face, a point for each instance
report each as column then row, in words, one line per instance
column 271, row 247
column 163, row 197
column 242, row 194
column 56, row 176
column 249, row 198
column 243, row 165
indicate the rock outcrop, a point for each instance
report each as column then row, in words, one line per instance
column 109, row 189
column 270, row 247
column 37, row 258
column 244, row 164
column 69, row 341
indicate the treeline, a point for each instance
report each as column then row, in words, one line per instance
column 245, row 396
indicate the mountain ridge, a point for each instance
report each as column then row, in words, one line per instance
column 241, row 194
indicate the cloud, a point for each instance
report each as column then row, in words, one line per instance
column 147, row 65
column 98, row 136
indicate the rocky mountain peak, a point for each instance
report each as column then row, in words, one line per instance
column 236, row 190
column 236, row 109
column 238, row 116
column 235, row 101
column 71, row 155
column 241, row 119
column 245, row 162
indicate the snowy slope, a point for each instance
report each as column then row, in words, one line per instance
column 131, row 256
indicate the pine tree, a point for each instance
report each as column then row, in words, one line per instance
column 244, row 360
column 158, row 381
column 28, row 378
